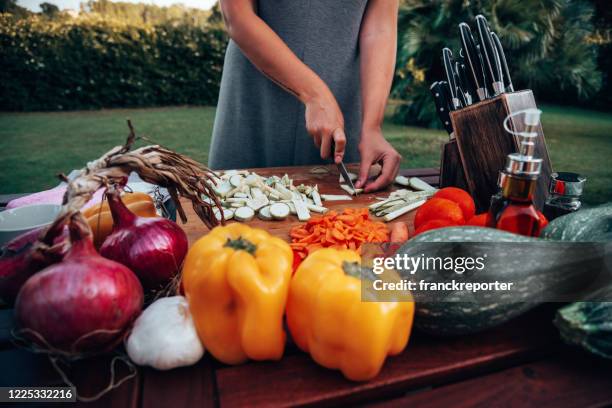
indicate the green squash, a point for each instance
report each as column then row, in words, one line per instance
column 588, row 324
column 588, row 225
column 539, row 272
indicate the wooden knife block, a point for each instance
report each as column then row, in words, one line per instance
column 478, row 152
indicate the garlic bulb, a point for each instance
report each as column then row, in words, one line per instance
column 164, row 336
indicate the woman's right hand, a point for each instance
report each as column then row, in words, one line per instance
column 325, row 123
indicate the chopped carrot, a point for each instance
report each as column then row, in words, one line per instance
column 347, row 230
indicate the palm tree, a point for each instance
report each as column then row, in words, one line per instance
column 546, row 42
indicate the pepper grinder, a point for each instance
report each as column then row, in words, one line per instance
column 565, row 191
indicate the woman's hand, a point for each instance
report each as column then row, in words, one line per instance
column 375, row 149
column 325, row 123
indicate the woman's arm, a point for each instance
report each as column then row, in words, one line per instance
column 269, row 53
column 377, row 46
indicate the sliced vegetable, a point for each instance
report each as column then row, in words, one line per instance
column 336, row 197
column 264, row 213
column 249, row 189
column 399, row 203
column 301, row 209
column 227, row 214
column 419, row 184
column 401, row 211
column 279, row 211
column 347, row 230
column 402, row 181
column 349, row 190
column 236, row 180
column 244, row 214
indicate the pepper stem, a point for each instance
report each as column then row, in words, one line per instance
column 241, row 244
column 355, row 270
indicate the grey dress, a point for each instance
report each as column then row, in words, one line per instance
column 259, row 124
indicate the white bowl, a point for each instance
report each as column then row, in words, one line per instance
column 20, row 220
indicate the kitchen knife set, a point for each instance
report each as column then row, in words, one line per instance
column 478, row 72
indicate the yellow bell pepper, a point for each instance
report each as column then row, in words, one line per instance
column 328, row 319
column 236, row 280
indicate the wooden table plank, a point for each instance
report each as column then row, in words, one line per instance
column 328, row 184
column 571, row 379
column 183, row 387
column 426, row 361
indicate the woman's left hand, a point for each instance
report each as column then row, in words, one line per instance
column 375, row 149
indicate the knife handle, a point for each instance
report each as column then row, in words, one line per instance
column 447, row 58
column 488, row 54
column 442, row 108
column 473, row 62
column 504, row 62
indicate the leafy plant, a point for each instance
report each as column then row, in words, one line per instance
column 546, row 42
column 90, row 62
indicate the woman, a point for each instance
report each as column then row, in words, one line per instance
column 304, row 71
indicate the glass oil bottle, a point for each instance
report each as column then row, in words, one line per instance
column 513, row 209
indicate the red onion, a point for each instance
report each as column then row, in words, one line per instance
column 21, row 258
column 82, row 304
column 154, row 248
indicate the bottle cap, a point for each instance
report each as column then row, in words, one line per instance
column 521, row 165
column 566, row 184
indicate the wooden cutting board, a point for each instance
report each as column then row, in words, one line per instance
column 328, row 184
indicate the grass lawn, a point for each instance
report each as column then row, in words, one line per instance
column 34, row 147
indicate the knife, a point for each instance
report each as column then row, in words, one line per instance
column 488, row 51
column 447, row 58
column 504, row 63
column 463, row 82
column 345, row 176
column 343, row 171
column 459, row 91
column 472, row 60
column 442, row 108
column 488, row 80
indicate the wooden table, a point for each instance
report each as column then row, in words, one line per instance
column 522, row 363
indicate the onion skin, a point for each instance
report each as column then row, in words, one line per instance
column 66, row 303
column 153, row 248
column 20, row 259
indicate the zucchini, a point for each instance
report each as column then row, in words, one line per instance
column 591, row 225
column 538, row 273
column 588, row 324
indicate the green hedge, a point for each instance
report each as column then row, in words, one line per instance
column 88, row 63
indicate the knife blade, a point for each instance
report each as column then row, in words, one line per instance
column 442, row 108
column 447, row 62
column 488, row 54
column 345, row 176
column 472, row 60
column 504, row 63
column 343, row 171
